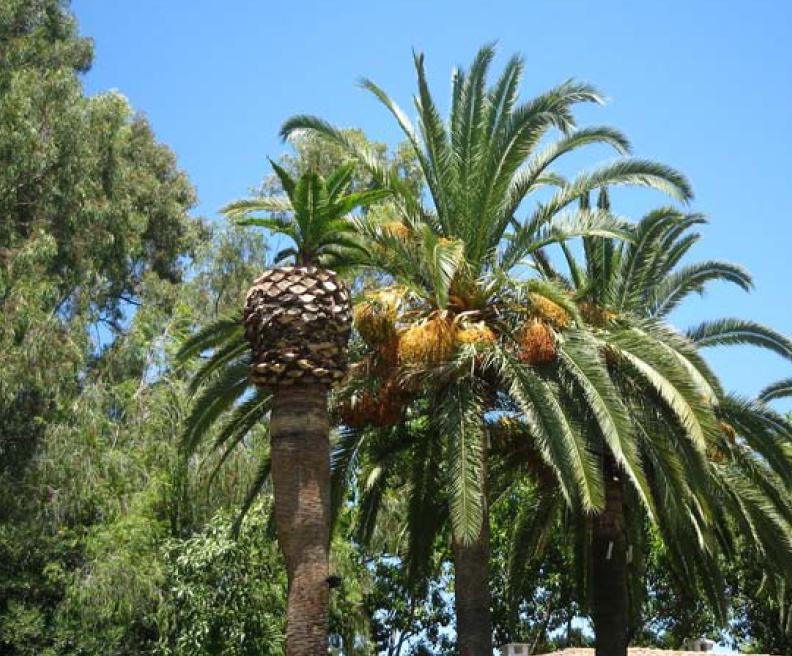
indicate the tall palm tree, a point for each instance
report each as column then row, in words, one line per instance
column 292, row 346
column 625, row 291
column 454, row 258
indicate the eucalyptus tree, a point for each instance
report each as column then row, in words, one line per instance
column 292, row 346
column 452, row 256
column 712, row 461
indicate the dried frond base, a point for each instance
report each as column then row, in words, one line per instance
column 716, row 455
column 537, row 343
column 298, row 320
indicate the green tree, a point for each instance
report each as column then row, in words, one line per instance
column 297, row 322
column 704, row 479
column 224, row 595
column 91, row 206
column 454, row 256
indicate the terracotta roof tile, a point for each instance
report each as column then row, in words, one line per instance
column 635, row 651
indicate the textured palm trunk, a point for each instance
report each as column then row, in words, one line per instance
column 609, row 595
column 471, row 589
column 301, row 480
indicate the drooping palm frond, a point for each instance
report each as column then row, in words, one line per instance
column 459, row 422
column 259, row 481
column 626, row 172
column 556, row 437
column 343, row 459
column 239, row 424
column 675, row 287
column 731, row 332
column 219, row 332
column 216, row 397
column 766, row 432
column 584, row 362
column 779, row 390
column 649, row 359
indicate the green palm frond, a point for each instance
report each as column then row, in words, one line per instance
column 459, row 421
column 239, row 210
column 765, row 431
column 624, row 172
column 628, row 172
column 779, row 390
column 668, row 378
column 240, row 423
column 582, row 359
column 675, row 287
column 314, row 215
column 639, row 257
column 259, row 481
column 557, row 439
column 535, row 169
column 343, row 460
column 220, row 358
column 383, row 175
column 221, row 331
column 217, row 397
column 569, row 225
column 729, row 332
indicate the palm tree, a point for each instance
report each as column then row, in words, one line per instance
column 454, row 258
column 625, row 291
column 292, row 346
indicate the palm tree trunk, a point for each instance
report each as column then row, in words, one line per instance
column 609, row 596
column 471, row 588
column 301, row 480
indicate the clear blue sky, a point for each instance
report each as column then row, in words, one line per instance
column 705, row 86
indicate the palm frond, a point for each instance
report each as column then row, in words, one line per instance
column 730, row 332
column 260, row 480
column 692, row 279
column 779, row 390
column 459, row 422
column 221, row 331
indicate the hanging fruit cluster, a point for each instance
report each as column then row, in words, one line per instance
column 536, row 342
column 549, row 311
column 381, row 408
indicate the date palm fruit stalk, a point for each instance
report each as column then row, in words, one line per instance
column 297, row 321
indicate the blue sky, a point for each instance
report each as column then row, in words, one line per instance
column 705, row 86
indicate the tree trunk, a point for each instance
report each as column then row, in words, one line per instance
column 299, row 431
column 609, row 596
column 471, row 589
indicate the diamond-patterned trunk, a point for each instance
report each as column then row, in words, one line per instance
column 297, row 320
